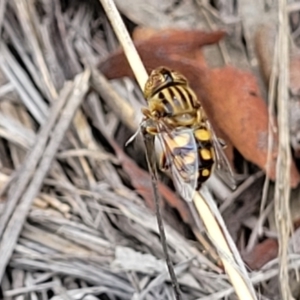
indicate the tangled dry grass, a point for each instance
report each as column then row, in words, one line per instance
column 77, row 219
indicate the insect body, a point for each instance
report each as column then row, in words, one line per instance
column 176, row 117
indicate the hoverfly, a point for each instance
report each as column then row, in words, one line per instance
column 175, row 116
column 190, row 147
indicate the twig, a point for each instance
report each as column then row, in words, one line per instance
column 235, row 269
column 271, row 127
column 141, row 76
column 244, row 186
column 257, row 230
column 258, row 277
column 220, row 237
column 126, row 42
column 17, row 220
column 282, row 184
column 151, row 160
column 222, row 46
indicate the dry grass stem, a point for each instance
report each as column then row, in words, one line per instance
column 229, row 256
column 126, row 42
column 126, row 113
column 282, row 184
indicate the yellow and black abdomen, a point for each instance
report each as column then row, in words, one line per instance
column 206, row 155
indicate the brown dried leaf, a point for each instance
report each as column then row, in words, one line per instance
column 233, row 103
column 230, row 97
column 268, row 249
column 159, row 46
column 261, row 254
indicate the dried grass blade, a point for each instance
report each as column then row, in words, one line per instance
column 21, row 82
column 282, row 184
column 24, row 10
column 2, row 12
column 121, row 108
column 28, row 289
column 126, row 42
column 13, row 229
column 221, row 239
column 32, row 159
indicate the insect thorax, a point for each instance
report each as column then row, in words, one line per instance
column 176, row 105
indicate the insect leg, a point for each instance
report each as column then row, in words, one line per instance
column 163, row 163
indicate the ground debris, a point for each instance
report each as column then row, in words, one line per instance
column 76, row 207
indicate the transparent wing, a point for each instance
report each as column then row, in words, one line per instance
column 222, row 164
column 180, row 150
